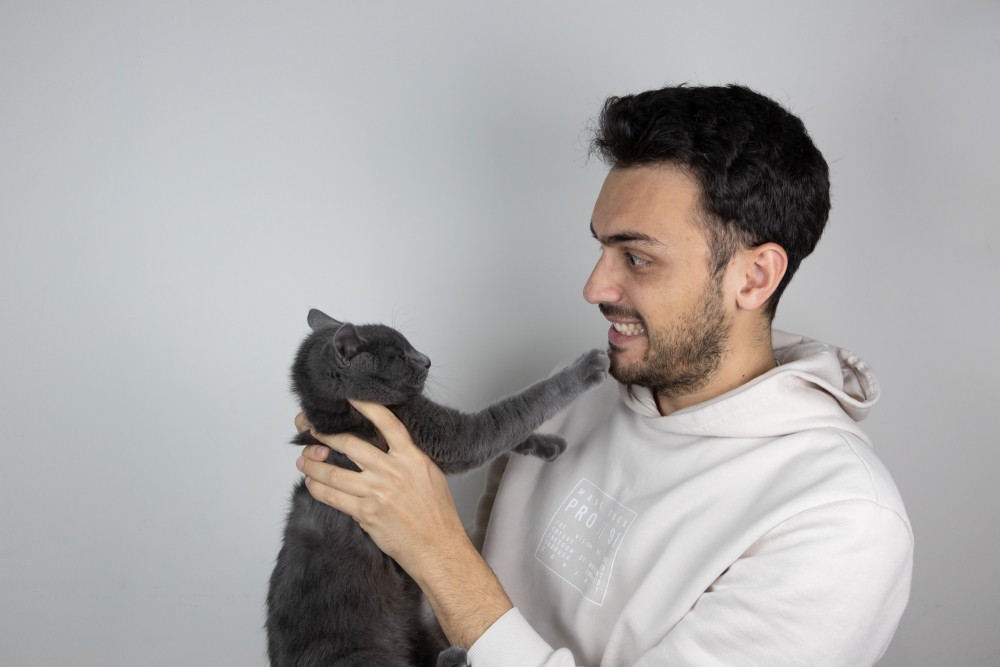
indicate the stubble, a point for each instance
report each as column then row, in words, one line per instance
column 682, row 359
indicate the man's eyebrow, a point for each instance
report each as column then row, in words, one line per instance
column 624, row 237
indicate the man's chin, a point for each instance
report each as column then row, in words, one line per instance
column 630, row 352
column 623, row 368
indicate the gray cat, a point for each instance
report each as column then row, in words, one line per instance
column 335, row 600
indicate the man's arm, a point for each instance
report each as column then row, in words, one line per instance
column 402, row 500
column 465, row 595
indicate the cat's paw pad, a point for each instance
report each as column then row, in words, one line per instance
column 453, row 657
column 543, row 445
column 594, row 366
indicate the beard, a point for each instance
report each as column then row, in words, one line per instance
column 681, row 359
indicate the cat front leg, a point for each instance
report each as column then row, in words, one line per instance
column 510, row 421
column 453, row 657
column 560, row 389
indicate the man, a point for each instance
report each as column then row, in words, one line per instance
column 719, row 504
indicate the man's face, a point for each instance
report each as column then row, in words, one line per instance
column 669, row 320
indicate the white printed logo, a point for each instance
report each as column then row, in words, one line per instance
column 583, row 537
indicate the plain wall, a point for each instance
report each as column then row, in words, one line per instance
column 181, row 181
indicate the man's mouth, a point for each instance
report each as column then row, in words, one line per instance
column 634, row 329
column 626, row 321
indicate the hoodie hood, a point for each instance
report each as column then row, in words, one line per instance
column 814, row 386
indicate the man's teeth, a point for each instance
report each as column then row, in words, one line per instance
column 629, row 329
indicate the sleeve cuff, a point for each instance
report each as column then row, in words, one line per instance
column 509, row 642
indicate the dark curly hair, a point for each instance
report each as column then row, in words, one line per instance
column 762, row 178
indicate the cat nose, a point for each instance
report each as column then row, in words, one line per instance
column 422, row 359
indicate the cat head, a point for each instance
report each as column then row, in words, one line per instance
column 367, row 362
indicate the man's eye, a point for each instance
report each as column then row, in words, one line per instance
column 636, row 261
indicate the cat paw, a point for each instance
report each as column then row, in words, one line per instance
column 453, row 657
column 593, row 367
column 543, row 445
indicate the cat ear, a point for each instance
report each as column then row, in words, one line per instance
column 319, row 320
column 347, row 342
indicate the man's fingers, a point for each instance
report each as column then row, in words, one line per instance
column 333, row 476
column 301, row 422
column 388, row 424
column 333, row 497
column 359, row 451
column 316, row 452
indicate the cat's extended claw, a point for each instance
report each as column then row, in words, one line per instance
column 543, row 445
column 454, row 656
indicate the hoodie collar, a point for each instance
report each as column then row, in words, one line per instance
column 814, row 386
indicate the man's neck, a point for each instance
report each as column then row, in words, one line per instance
column 743, row 361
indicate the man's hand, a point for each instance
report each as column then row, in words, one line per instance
column 402, row 500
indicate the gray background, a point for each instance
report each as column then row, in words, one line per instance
column 181, row 181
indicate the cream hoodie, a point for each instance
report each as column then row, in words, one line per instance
column 757, row 528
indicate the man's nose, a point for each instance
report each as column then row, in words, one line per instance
column 601, row 286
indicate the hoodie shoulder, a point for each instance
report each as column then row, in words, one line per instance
column 883, row 488
column 823, row 466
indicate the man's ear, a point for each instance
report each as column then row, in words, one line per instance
column 765, row 267
column 347, row 342
column 319, row 320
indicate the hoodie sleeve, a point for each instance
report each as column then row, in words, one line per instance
column 511, row 642
column 825, row 588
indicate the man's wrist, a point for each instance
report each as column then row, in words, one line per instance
column 465, row 595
